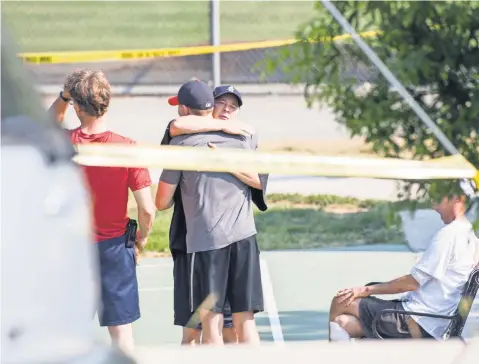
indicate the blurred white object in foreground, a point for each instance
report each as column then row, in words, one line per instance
column 47, row 261
column 362, row 351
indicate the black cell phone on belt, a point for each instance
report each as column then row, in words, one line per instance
column 131, row 228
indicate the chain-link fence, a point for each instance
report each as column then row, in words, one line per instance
column 44, row 26
column 236, row 67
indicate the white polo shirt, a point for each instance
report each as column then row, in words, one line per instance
column 442, row 272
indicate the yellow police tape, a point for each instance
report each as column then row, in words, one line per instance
column 235, row 160
column 135, row 54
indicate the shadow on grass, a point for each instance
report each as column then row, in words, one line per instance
column 297, row 326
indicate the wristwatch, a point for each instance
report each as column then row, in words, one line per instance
column 64, row 98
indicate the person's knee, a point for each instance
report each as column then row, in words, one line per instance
column 245, row 327
column 335, row 303
column 341, row 320
column 243, row 316
column 335, row 308
column 120, row 331
column 241, row 320
column 340, row 308
column 212, row 323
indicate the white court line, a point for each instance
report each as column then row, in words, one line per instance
column 270, row 304
column 270, row 301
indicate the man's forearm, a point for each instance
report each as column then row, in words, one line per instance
column 251, row 179
column 164, row 206
column 58, row 110
column 400, row 285
column 145, row 222
column 193, row 124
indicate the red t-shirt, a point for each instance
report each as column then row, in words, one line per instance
column 109, row 187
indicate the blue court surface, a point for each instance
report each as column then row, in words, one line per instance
column 297, row 286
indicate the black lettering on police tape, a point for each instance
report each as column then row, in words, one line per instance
column 132, row 55
column 46, row 59
column 41, row 59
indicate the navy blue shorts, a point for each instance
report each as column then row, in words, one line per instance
column 120, row 303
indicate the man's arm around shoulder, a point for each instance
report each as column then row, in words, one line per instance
column 193, row 124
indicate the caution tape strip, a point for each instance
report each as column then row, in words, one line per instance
column 235, row 160
column 135, row 54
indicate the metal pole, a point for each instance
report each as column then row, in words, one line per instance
column 446, row 143
column 215, row 40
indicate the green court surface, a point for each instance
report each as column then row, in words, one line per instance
column 297, row 285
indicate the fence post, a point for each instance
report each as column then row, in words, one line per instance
column 215, row 40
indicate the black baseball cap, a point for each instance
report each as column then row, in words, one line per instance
column 194, row 94
column 224, row 90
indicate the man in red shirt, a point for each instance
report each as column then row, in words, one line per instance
column 89, row 92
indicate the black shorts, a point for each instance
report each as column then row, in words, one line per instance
column 181, row 295
column 231, row 273
column 390, row 325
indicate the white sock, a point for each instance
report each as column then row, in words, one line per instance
column 338, row 333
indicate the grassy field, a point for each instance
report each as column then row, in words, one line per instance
column 353, row 147
column 105, row 25
column 300, row 222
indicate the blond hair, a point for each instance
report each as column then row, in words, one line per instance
column 90, row 90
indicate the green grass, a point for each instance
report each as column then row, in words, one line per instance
column 41, row 26
column 302, row 222
column 305, row 228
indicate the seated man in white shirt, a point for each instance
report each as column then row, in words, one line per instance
column 434, row 285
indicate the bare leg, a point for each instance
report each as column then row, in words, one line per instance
column 230, row 336
column 122, row 337
column 347, row 317
column 350, row 324
column 212, row 323
column 191, row 337
column 340, row 309
column 245, row 327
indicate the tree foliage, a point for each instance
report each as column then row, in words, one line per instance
column 431, row 47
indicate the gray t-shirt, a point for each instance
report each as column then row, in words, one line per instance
column 217, row 205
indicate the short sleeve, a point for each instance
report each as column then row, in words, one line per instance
column 434, row 261
column 138, row 178
column 172, row 177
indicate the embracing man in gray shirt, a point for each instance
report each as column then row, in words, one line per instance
column 221, row 235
